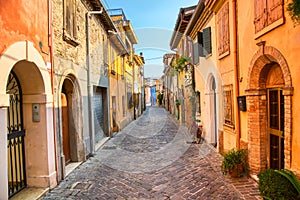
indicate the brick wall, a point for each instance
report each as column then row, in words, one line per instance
column 257, row 108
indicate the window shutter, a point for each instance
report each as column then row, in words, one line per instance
column 200, row 42
column 196, row 53
column 207, row 40
column 223, row 30
column 260, row 15
column 275, row 10
column 220, row 31
column 226, row 28
column 191, row 47
column 74, row 20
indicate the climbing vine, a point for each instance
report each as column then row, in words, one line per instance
column 294, row 11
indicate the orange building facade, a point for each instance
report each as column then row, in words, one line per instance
column 26, row 98
column 248, row 79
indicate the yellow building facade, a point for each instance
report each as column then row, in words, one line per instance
column 124, row 69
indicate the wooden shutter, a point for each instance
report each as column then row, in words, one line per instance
column 220, row 31
column 74, row 20
column 207, row 40
column 70, row 18
column 223, row 29
column 275, row 10
column 260, row 15
column 191, row 47
column 226, row 28
column 196, row 47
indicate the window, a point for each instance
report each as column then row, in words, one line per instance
column 198, row 48
column 223, row 30
column 228, row 109
column 266, row 12
column 70, row 28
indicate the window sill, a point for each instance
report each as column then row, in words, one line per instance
column 223, row 55
column 70, row 40
column 206, row 56
column 229, row 126
column 269, row 28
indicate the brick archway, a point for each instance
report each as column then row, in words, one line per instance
column 257, row 107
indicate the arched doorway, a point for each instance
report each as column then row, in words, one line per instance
column 213, row 112
column 269, row 111
column 15, row 137
column 28, row 101
column 70, row 114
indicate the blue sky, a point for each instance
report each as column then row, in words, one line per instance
column 153, row 22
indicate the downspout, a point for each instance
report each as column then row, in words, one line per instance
column 50, row 43
column 236, row 74
column 89, row 85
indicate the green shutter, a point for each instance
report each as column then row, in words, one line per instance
column 207, row 41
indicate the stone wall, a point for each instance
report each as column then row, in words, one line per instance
column 70, row 63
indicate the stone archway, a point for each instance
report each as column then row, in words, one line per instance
column 27, row 64
column 212, row 125
column 258, row 77
column 70, row 122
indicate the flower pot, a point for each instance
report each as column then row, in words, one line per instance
column 237, row 171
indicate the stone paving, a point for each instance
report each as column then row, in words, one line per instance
column 153, row 158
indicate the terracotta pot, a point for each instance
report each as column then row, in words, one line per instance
column 237, row 171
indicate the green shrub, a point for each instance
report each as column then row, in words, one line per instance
column 274, row 186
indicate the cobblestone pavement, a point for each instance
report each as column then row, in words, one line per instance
column 153, row 158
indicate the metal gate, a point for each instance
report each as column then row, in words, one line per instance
column 15, row 137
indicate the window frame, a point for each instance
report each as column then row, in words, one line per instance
column 223, row 31
column 68, row 35
column 268, row 10
column 228, row 105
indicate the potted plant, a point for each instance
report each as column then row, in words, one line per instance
column 235, row 162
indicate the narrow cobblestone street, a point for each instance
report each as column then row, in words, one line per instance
column 153, row 158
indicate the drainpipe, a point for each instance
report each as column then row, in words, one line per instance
column 89, row 85
column 236, row 73
column 50, row 44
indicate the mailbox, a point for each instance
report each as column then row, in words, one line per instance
column 35, row 112
column 242, row 103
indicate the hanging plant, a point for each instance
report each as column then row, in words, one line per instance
column 294, row 11
column 182, row 63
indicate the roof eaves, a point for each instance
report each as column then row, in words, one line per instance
column 184, row 16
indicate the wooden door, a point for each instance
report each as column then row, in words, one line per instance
column 65, row 128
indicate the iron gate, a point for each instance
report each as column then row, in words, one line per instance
column 15, row 137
